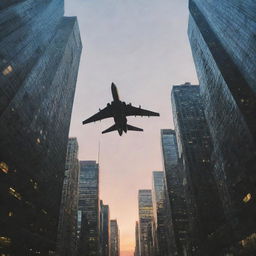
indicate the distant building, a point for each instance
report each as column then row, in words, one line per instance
column 160, row 235
column 104, row 229
column 137, row 242
column 89, row 209
column 114, row 239
column 175, row 181
column 194, row 143
column 67, row 231
column 39, row 59
column 152, row 239
column 222, row 37
column 145, row 221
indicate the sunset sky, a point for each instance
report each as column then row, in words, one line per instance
column 141, row 46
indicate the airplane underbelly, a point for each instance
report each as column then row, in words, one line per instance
column 120, row 121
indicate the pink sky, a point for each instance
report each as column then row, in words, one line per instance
column 142, row 46
column 126, row 253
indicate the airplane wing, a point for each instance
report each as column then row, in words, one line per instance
column 102, row 114
column 133, row 111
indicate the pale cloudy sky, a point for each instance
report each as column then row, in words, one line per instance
column 142, row 46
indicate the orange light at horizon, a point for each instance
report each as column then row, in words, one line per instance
column 126, row 253
column 127, row 247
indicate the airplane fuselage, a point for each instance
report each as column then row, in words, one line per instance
column 118, row 108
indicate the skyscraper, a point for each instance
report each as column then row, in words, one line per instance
column 114, row 239
column 175, row 178
column 39, row 58
column 104, row 229
column 67, row 238
column 137, row 242
column 88, row 209
column 194, row 147
column 222, row 37
column 145, row 220
column 161, row 239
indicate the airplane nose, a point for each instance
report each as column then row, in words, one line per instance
column 113, row 86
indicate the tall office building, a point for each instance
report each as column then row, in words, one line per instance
column 152, row 239
column 67, row 238
column 39, row 59
column 194, row 147
column 104, row 229
column 174, row 178
column 160, row 213
column 114, row 239
column 145, row 220
column 222, row 37
column 136, row 252
column 88, row 209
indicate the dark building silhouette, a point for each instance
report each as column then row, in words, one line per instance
column 89, row 209
column 114, row 239
column 152, row 239
column 162, row 244
column 104, row 229
column 194, row 147
column 222, row 37
column 67, row 231
column 39, row 59
column 174, row 178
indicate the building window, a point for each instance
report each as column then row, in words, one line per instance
column 247, row 198
column 5, row 241
column 4, row 167
column 13, row 192
column 35, row 185
column 7, row 70
column 44, row 211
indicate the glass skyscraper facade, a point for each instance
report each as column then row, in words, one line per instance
column 222, row 37
column 145, row 221
column 104, row 229
column 89, row 209
column 39, row 59
column 161, row 240
column 67, row 231
column 114, row 238
column 194, row 147
column 175, row 180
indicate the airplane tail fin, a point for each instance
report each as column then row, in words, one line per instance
column 110, row 129
column 133, row 128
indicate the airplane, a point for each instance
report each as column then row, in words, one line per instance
column 119, row 110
